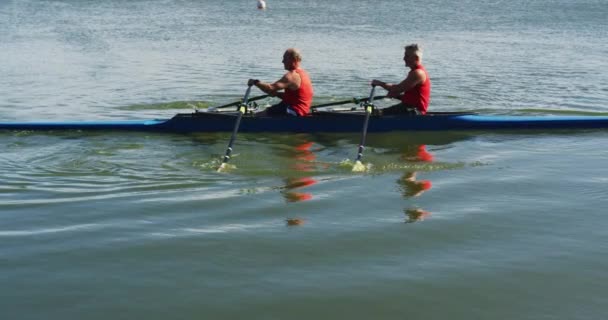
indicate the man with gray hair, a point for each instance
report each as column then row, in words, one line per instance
column 296, row 88
column 414, row 91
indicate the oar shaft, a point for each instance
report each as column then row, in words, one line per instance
column 353, row 100
column 236, row 126
column 239, row 102
column 362, row 143
column 232, row 138
column 368, row 111
column 337, row 103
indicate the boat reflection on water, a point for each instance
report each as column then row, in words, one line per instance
column 410, row 186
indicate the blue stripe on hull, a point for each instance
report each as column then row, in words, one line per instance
column 131, row 125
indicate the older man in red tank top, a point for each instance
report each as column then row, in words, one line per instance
column 296, row 85
column 414, row 91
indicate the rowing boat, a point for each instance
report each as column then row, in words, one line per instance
column 324, row 121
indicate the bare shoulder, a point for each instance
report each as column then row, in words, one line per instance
column 417, row 75
column 292, row 75
column 292, row 79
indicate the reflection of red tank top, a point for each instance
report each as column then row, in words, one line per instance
column 300, row 99
column 420, row 95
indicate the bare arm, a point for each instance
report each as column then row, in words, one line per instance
column 394, row 90
column 290, row 80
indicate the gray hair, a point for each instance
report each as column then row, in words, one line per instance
column 294, row 53
column 415, row 49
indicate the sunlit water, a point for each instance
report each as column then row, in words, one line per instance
column 471, row 225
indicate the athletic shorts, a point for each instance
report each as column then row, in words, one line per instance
column 400, row 108
column 280, row 109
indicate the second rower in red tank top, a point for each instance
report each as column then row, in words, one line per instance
column 297, row 91
column 415, row 90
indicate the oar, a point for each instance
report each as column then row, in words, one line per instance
column 242, row 109
column 232, row 104
column 337, row 103
column 236, row 103
column 352, row 100
column 369, row 105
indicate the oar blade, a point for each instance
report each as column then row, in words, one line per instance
column 225, row 167
column 359, row 167
column 222, row 167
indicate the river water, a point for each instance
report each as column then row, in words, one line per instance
column 449, row 225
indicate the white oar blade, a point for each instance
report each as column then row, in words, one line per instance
column 222, row 167
column 225, row 167
column 359, row 167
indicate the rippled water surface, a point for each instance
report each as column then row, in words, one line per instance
column 448, row 225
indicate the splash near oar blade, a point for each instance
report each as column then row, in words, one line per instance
column 359, row 167
column 369, row 107
column 225, row 167
column 242, row 110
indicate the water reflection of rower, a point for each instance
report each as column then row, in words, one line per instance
column 295, row 183
column 303, row 157
column 417, row 153
column 415, row 214
column 412, row 187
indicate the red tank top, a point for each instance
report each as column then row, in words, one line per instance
column 420, row 95
column 300, row 100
